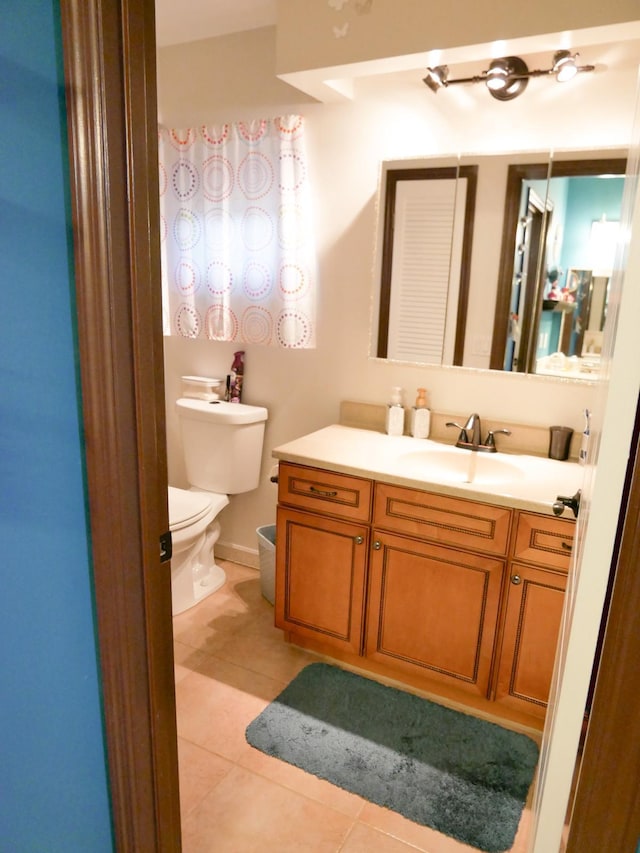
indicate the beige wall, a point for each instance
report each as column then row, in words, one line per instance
column 306, row 37
column 221, row 77
column 346, row 142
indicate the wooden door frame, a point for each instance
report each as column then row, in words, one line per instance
column 540, row 212
column 606, row 808
column 111, row 100
column 109, row 57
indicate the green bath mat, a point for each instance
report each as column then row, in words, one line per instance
column 462, row 776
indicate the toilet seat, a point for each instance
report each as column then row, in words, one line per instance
column 188, row 507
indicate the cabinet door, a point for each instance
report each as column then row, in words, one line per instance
column 433, row 611
column 535, row 598
column 320, row 578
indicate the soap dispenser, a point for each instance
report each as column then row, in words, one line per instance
column 420, row 416
column 584, row 444
column 395, row 413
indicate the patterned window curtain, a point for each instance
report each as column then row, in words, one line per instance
column 238, row 260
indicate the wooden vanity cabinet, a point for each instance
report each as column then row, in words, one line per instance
column 321, row 556
column 428, row 588
column 433, row 607
column 533, row 611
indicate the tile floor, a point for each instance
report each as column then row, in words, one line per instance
column 230, row 663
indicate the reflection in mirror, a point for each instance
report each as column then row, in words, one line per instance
column 426, row 248
column 556, row 261
column 518, row 230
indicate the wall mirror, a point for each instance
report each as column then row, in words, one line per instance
column 497, row 261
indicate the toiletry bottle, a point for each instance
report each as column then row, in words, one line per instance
column 584, row 444
column 395, row 413
column 420, row 416
column 237, row 375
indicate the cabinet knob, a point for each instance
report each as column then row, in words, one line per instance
column 377, row 545
column 359, row 540
column 516, row 579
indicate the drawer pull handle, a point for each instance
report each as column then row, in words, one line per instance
column 377, row 545
column 359, row 540
column 321, row 492
column 567, row 546
column 516, row 579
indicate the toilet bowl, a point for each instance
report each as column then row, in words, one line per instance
column 194, row 532
column 222, row 448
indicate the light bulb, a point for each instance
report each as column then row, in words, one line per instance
column 564, row 66
column 497, row 76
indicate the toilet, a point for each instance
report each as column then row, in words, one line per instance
column 222, row 446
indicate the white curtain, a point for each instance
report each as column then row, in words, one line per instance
column 238, row 260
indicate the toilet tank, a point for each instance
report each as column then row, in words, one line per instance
column 222, row 444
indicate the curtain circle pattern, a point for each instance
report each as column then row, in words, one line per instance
column 238, row 255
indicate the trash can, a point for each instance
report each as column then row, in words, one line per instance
column 267, row 557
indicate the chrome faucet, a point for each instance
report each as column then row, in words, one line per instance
column 472, row 426
column 470, row 437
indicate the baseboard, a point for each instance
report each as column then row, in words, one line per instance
column 237, row 554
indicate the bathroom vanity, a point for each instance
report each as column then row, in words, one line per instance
column 434, row 575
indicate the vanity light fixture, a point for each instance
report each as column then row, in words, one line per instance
column 508, row 77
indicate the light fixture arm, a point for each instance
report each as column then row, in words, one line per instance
column 478, row 78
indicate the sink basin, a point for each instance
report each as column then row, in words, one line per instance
column 462, row 467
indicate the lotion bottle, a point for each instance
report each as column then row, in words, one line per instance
column 395, row 413
column 420, row 416
column 237, row 375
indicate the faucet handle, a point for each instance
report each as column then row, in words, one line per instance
column 491, row 442
column 463, row 430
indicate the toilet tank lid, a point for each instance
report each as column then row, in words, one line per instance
column 221, row 412
column 202, row 380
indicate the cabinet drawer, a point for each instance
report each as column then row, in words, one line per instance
column 544, row 540
column 451, row 521
column 325, row 492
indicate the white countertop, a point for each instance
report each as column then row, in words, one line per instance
column 516, row 480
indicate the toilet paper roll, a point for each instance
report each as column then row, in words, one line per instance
column 273, row 474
